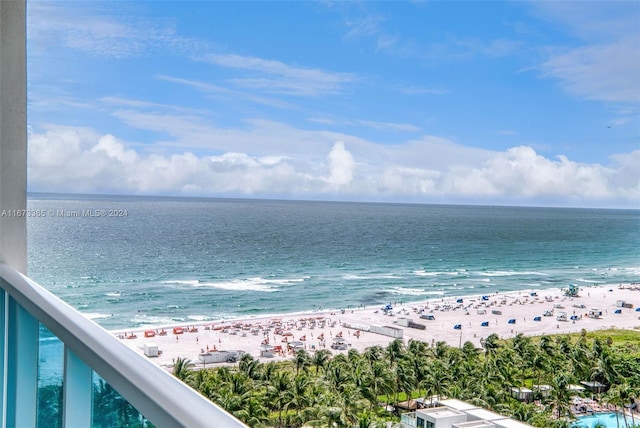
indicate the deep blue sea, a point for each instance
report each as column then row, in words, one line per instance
column 160, row 261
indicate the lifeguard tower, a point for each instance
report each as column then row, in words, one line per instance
column 572, row 290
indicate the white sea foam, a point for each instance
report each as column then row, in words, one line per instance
column 356, row 277
column 589, row 281
column 95, row 315
column 422, row 272
column 182, row 282
column 412, row 291
column 199, row 318
column 249, row 284
column 113, row 294
column 509, row 273
column 149, row 320
column 632, row 270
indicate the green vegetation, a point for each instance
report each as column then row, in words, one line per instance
column 354, row 390
column 110, row 409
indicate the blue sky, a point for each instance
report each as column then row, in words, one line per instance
column 522, row 103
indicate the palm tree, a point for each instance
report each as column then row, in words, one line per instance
column 338, row 375
column 437, row 379
column 440, row 350
column 299, row 397
column 301, row 360
column 50, row 405
column 618, row 395
column 250, row 366
column 395, row 350
column 417, row 348
column 404, row 378
column 253, row 412
column 547, row 346
column 269, row 371
column 491, row 346
column 320, row 359
column 114, row 410
column 561, row 396
column 374, row 353
column 279, row 392
column 182, row 369
column 379, row 381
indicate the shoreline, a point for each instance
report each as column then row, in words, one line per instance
column 517, row 310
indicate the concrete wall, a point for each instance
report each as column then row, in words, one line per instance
column 13, row 134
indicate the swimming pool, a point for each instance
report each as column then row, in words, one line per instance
column 608, row 419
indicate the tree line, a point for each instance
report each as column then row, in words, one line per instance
column 356, row 389
column 361, row 389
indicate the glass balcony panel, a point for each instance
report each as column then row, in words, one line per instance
column 50, row 378
column 110, row 409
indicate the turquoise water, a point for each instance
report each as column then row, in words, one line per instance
column 608, row 419
column 159, row 261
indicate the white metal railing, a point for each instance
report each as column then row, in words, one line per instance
column 155, row 393
column 408, row 419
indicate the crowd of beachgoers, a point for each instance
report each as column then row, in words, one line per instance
column 454, row 320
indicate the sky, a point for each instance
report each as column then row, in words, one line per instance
column 499, row 103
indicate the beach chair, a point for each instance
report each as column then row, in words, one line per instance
column 457, row 327
column 537, row 318
column 512, row 321
column 484, row 324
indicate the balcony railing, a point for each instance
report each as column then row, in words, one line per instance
column 408, row 420
column 160, row 397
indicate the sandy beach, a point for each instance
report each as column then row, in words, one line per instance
column 476, row 317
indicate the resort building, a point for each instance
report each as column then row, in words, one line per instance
column 91, row 355
column 522, row 394
column 454, row 413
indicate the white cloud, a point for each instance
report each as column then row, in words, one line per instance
column 99, row 30
column 225, row 93
column 115, row 150
column 604, row 72
column 604, row 65
column 65, row 159
column 341, row 166
column 277, row 77
column 411, row 89
column 389, row 126
column 380, row 126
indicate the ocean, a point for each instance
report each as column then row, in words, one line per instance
column 131, row 262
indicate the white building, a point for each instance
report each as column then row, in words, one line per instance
column 454, row 413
